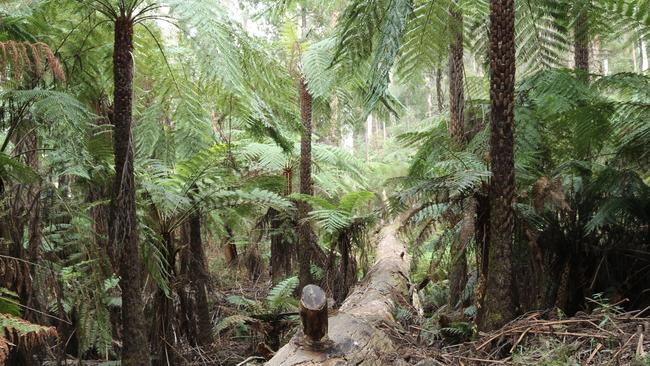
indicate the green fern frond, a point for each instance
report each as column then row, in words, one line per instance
column 280, row 297
column 9, row 301
column 351, row 201
column 13, row 169
column 317, row 68
column 232, row 321
column 388, row 45
column 426, row 41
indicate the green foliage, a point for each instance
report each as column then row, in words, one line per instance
column 388, row 44
column 280, row 297
column 14, row 169
column 237, row 321
column 9, row 302
column 458, row 332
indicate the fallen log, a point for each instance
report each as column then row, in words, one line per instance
column 354, row 336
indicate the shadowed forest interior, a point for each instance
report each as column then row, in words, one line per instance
column 321, row 182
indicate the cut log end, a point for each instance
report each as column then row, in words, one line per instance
column 313, row 313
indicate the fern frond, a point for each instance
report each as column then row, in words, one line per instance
column 351, row 201
column 280, row 297
column 426, row 41
column 19, row 332
column 385, row 54
column 231, row 321
column 18, row 57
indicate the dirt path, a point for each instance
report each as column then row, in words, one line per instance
column 355, row 331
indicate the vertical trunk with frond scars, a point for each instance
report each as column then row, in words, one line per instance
column 458, row 265
column 498, row 303
column 199, row 278
column 581, row 45
column 304, row 230
column 124, row 231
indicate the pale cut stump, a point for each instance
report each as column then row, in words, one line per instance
column 354, row 333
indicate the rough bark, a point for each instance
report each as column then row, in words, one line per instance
column 304, row 229
column 229, row 247
column 458, row 264
column 280, row 248
column 498, row 303
column 581, row 46
column 355, row 337
column 123, row 233
column 199, row 282
column 162, row 339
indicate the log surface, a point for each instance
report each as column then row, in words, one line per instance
column 355, row 332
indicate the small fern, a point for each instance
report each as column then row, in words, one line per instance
column 280, row 297
column 232, row 321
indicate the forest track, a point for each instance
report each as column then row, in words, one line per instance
column 355, row 331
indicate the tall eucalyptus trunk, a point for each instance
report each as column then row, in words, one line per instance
column 124, row 225
column 498, row 303
column 458, row 264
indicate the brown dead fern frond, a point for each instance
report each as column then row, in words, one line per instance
column 18, row 59
column 53, row 62
column 18, row 332
column 4, row 350
column 36, row 57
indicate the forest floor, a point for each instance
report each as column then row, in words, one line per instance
column 600, row 338
column 606, row 336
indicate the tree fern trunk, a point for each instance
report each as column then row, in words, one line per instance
column 280, row 248
column 304, row 229
column 199, row 280
column 124, row 231
column 458, row 264
column 162, row 339
column 498, row 303
column 581, row 46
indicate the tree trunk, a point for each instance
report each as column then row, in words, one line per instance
column 356, row 335
column 229, row 247
column 280, row 248
column 199, row 281
column 162, row 338
column 458, row 263
column 581, row 46
column 498, row 307
column 124, row 230
column 439, row 96
column 304, row 228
